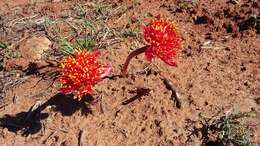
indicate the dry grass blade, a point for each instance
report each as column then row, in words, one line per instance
column 15, row 83
column 35, row 109
column 81, row 139
column 174, row 95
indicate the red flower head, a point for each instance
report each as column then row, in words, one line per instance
column 79, row 73
column 163, row 39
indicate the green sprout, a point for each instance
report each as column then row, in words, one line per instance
column 67, row 47
column 84, row 44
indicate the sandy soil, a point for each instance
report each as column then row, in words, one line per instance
column 218, row 69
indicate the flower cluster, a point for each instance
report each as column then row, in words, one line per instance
column 80, row 71
column 163, row 40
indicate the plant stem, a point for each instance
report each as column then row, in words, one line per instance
column 129, row 58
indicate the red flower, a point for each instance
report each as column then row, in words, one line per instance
column 79, row 73
column 163, row 40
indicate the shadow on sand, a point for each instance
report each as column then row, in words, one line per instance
column 30, row 122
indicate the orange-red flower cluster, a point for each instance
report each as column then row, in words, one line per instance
column 163, row 39
column 80, row 71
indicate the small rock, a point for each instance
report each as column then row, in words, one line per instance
column 34, row 47
column 30, row 51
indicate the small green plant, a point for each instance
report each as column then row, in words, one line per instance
column 87, row 43
column 67, row 47
column 228, row 128
column 91, row 27
column 84, row 44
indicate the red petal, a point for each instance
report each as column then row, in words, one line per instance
column 149, row 54
column 105, row 70
column 95, row 53
column 170, row 61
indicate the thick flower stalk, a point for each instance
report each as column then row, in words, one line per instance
column 80, row 72
column 163, row 42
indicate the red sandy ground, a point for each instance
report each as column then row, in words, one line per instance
column 211, row 78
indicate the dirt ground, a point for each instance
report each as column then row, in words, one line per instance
column 218, row 69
